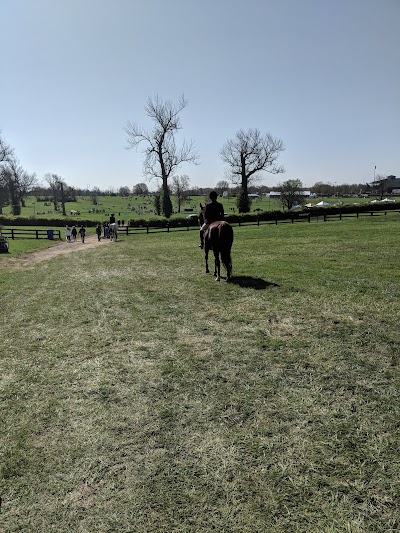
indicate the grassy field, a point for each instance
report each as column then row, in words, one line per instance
column 144, row 207
column 23, row 246
column 137, row 394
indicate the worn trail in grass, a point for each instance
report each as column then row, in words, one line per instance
column 138, row 394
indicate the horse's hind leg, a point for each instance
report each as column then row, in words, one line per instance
column 229, row 269
column 217, row 269
column 206, row 258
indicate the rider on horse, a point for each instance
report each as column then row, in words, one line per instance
column 213, row 212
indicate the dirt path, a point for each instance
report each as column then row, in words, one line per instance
column 30, row 260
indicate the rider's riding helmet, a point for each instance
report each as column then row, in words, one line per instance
column 213, row 195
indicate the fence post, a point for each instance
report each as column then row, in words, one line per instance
column 340, row 215
column 276, row 220
column 239, row 222
column 258, row 220
column 324, row 217
column 147, row 229
column 37, row 234
column 309, row 217
column 12, row 234
column 167, row 227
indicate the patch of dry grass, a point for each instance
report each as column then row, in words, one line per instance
column 147, row 397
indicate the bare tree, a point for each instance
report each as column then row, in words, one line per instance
column 222, row 186
column 291, row 193
column 162, row 156
column 180, row 189
column 124, row 191
column 6, row 152
column 323, row 189
column 247, row 155
column 380, row 185
column 18, row 183
column 94, row 194
column 53, row 181
column 15, row 182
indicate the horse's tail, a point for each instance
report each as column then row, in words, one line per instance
column 226, row 241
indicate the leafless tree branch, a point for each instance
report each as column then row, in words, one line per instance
column 162, row 157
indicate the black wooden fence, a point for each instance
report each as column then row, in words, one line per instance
column 187, row 225
column 293, row 218
column 18, row 233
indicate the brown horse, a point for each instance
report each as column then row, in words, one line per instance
column 218, row 237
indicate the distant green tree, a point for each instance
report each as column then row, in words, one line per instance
column 157, row 203
column 243, row 201
column 140, row 189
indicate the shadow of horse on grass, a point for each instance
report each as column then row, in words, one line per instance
column 248, row 282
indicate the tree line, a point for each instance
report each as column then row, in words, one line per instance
column 246, row 156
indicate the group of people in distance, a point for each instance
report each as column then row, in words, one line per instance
column 106, row 230
column 71, row 233
column 213, row 211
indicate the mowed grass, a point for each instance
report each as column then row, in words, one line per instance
column 138, row 394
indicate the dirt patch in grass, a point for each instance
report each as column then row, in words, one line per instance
column 29, row 260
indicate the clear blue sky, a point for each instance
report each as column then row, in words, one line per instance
column 322, row 75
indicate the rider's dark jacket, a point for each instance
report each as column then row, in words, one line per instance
column 214, row 211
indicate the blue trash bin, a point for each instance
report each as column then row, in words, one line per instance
column 50, row 234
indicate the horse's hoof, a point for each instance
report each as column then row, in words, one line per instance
column 207, row 271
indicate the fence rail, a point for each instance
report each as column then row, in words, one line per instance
column 293, row 218
column 31, row 233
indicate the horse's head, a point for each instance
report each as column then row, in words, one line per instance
column 201, row 214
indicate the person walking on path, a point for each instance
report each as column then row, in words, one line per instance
column 82, row 233
column 67, row 233
column 74, row 233
column 98, row 231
